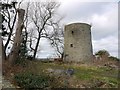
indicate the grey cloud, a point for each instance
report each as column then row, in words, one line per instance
column 45, row 49
column 87, row 9
column 109, row 43
column 84, row 10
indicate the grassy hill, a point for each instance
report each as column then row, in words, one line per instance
column 53, row 75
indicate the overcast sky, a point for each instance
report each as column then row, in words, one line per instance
column 101, row 14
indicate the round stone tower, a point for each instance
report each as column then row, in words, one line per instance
column 77, row 43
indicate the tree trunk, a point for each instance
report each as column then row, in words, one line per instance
column 0, row 54
column 0, row 44
column 36, row 47
column 18, row 37
column 8, row 40
column 2, row 50
column 4, row 57
column 11, row 31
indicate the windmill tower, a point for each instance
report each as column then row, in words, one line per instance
column 77, row 43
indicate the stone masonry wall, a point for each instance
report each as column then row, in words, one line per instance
column 77, row 44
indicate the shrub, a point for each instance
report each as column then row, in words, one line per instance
column 114, row 58
column 22, row 63
column 29, row 80
column 102, row 53
column 29, row 57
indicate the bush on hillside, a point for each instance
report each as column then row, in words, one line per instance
column 29, row 80
column 102, row 53
column 114, row 58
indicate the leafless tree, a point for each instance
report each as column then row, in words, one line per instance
column 9, row 11
column 43, row 18
column 57, row 39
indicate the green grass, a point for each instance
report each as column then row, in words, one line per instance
column 82, row 73
column 113, row 82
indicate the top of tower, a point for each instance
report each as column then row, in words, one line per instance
column 78, row 24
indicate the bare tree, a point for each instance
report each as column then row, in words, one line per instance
column 42, row 15
column 26, row 21
column 9, row 17
column 57, row 39
column 42, row 18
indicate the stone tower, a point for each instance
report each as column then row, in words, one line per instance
column 77, row 43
